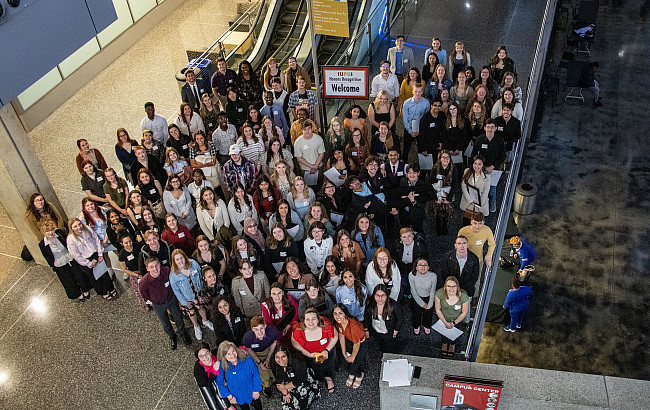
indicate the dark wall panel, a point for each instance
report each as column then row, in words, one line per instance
column 102, row 12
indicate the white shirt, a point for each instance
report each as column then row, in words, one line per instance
column 372, row 280
column 391, row 86
column 316, row 254
column 407, row 256
column 158, row 126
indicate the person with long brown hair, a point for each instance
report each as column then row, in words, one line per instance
column 315, row 297
column 95, row 218
column 250, row 145
column 279, row 247
column 485, row 79
column 38, row 211
column 352, row 339
column 444, row 177
column 383, row 270
column 265, row 200
column 280, row 310
column 352, row 293
column 124, row 150
column 358, row 148
column 188, row 121
column 273, row 154
column 383, row 319
column 475, row 187
column 501, row 64
column 348, row 252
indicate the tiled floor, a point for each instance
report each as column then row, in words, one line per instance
column 590, row 310
column 110, row 354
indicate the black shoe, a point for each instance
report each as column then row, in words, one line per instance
column 268, row 391
column 172, row 341
column 597, row 104
column 186, row 338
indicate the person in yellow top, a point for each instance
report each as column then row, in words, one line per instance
column 478, row 235
column 406, row 89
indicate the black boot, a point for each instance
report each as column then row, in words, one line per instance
column 172, row 341
column 186, row 338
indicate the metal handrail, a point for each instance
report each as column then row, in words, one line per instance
column 235, row 24
column 295, row 46
column 250, row 31
column 293, row 27
column 532, row 90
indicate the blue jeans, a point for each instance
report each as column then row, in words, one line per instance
column 493, row 194
column 516, row 317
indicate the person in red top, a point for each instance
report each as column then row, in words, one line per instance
column 354, row 346
column 315, row 338
column 280, row 310
column 265, row 199
column 178, row 235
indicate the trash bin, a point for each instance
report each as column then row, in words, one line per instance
column 205, row 64
column 525, row 198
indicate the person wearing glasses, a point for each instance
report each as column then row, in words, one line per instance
column 452, row 305
column 423, row 288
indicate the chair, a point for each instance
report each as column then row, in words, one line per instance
column 573, row 73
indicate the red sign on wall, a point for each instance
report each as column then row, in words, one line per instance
column 467, row 393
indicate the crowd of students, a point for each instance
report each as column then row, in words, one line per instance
column 296, row 249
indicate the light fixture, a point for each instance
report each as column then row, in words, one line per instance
column 38, row 306
column 467, row 5
column 621, row 53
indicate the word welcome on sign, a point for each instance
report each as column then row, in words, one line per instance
column 345, row 82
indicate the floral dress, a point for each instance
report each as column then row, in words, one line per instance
column 306, row 389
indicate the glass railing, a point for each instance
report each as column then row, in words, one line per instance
column 530, row 103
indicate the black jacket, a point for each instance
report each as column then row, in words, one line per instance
column 392, row 323
column 430, row 136
column 154, row 166
column 164, row 256
column 188, row 97
column 419, row 251
column 47, row 252
column 493, row 151
column 222, row 329
column 467, row 278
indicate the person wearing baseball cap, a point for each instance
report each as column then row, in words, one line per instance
column 239, row 170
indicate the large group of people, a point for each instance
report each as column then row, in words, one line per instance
column 297, row 247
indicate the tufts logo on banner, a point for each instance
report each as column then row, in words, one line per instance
column 345, row 82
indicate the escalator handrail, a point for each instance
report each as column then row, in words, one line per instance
column 250, row 31
column 231, row 29
column 295, row 47
column 343, row 40
column 293, row 27
column 532, row 89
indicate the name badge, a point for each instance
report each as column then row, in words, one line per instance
column 439, row 176
column 270, row 198
column 255, row 345
column 155, row 148
column 152, row 191
column 400, row 174
column 167, row 284
column 252, row 258
column 313, row 248
column 347, row 302
column 120, row 190
column 275, row 112
column 202, row 91
column 406, row 60
column 181, row 234
column 354, row 153
column 291, row 375
column 342, row 259
column 457, row 307
column 433, row 124
column 305, row 147
column 479, row 242
column 230, row 81
column 242, row 292
column 164, row 262
column 500, row 128
column 240, row 109
column 139, row 280
column 484, row 146
column 345, row 171
column 130, row 257
column 210, row 124
column 138, row 216
column 237, row 319
column 185, row 146
column 389, row 283
column 283, row 254
column 323, row 341
column 301, row 286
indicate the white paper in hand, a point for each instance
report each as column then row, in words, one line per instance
column 333, row 175
column 451, row 334
column 426, row 163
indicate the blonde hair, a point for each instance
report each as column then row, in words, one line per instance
column 175, row 268
column 223, row 350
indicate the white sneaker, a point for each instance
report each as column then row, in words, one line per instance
column 208, row 324
column 198, row 333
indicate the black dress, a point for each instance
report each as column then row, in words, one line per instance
column 379, row 118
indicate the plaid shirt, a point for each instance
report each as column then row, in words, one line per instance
column 211, row 149
column 295, row 102
column 224, row 139
column 245, row 173
column 221, row 82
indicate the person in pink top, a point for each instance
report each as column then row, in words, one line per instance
column 281, row 311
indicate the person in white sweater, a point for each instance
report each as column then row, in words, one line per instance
column 241, row 207
column 423, row 291
column 383, row 270
column 211, row 213
column 318, row 246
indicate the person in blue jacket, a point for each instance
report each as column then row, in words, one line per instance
column 524, row 253
column 369, row 237
column 517, row 302
column 239, row 381
column 185, row 280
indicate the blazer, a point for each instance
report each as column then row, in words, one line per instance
column 467, row 278
column 188, row 97
column 419, row 251
column 408, row 60
column 250, row 303
column 47, row 252
column 392, row 323
column 223, row 331
column 483, row 185
column 299, row 72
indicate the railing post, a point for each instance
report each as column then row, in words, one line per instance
column 370, row 44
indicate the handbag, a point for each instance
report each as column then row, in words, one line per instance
column 186, row 175
column 159, row 209
column 224, row 235
column 469, row 213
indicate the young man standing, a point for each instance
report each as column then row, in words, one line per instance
column 412, row 112
column 309, row 151
column 223, row 78
column 401, row 58
column 303, row 97
column 385, row 80
column 193, row 89
column 155, row 123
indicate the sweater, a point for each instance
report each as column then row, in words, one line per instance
column 423, row 286
column 240, row 381
column 476, row 241
column 373, row 279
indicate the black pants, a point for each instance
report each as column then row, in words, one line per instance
column 255, row 404
column 408, row 142
column 325, row 369
column 74, row 280
column 421, row 316
column 355, row 368
column 387, row 343
column 103, row 285
column 174, row 311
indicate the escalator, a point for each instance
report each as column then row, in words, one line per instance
column 330, row 46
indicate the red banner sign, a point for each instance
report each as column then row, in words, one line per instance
column 467, row 393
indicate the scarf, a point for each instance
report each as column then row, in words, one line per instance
column 258, row 237
column 209, row 369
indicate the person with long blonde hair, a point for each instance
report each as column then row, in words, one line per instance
column 459, row 59
column 238, row 379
